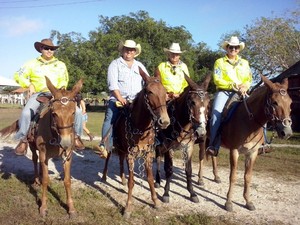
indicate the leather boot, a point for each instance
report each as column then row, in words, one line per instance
column 78, row 143
column 21, row 148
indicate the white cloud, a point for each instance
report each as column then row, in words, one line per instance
column 18, row 26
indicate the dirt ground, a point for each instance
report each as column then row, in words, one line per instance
column 276, row 201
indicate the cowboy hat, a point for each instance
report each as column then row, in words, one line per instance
column 130, row 44
column 234, row 41
column 45, row 42
column 174, row 48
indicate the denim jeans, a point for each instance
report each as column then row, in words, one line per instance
column 111, row 115
column 220, row 100
column 28, row 113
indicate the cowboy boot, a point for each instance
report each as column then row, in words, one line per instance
column 21, row 148
column 78, row 143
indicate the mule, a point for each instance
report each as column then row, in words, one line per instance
column 134, row 135
column 188, row 114
column 53, row 136
column 243, row 133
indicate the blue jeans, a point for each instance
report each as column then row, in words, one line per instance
column 220, row 100
column 28, row 113
column 111, row 114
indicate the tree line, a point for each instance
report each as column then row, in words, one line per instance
column 272, row 46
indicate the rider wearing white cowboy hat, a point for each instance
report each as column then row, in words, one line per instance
column 172, row 71
column 234, row 41
column 131, row 45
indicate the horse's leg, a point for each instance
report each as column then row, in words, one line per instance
column 128, row 207
column 67, row 183
column 45, row 181
column 37, row 181
column 168, row 167
column 201, row 163
column 122, row 173
column 214, row 161
column 104, row 175
column 150, row 178
column 188, row 173
column 157, row 175
column 202, row 149
column 249, row 163
column 234, row 155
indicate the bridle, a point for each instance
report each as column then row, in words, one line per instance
column 201, row 94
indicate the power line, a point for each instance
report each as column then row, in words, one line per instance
column 44, row 5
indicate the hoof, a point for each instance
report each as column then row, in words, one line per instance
column 200, row 182
column 72, row 214
column 195, row 199
column 126, row 214
column 157, row 185
column 43, row 212
column 228, row 207
column 217, row 180
column 166, row 199
column 250, row 206
column 124, row 181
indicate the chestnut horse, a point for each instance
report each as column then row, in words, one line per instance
column 188, row 114
column 134, row 134
column 243, row 132
column 53, row 136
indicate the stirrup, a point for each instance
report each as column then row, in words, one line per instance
column 212, row 151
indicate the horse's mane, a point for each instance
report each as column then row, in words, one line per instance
column 259, row 91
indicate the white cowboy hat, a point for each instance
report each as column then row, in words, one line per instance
column 174, row 48
column 130, row 44
column 234, row 41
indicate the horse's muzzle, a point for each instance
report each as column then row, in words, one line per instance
column 284, row 129
column 163, row 122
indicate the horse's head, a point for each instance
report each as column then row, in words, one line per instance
column 155, row 97
column 63, row 106
column 198, row 104
column 278, row 107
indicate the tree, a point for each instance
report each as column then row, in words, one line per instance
column 273, row 45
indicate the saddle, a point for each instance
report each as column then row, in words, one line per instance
column 43, row 99
column 230, row 106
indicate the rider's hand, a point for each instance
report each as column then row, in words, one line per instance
column 31, row 90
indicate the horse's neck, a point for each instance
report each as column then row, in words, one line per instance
column 181, row 111
column 256, row 105
column 140, row 115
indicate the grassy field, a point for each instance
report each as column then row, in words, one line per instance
column 19, row 200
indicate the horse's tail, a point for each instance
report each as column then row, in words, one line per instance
column 10, row 129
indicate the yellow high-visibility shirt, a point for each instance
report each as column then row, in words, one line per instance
column 226, row 73
column 35, row 70
column 172, row 77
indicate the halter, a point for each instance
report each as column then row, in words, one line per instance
column 55, row 127
column 270, row 110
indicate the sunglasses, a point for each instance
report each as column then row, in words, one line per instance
column 48, row 48
column 233, row 47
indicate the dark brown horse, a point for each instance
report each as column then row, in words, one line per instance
column 188, row 114
column 134, row 134
column 53, row 136
column 243, row 132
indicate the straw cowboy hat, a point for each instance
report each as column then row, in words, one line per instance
column 45, row 42
column 174, row 48
column 234, row 41
column 130, row 44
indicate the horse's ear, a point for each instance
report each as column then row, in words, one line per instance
column 190, row 81
column 206, row 81
column 285, row 82
column 50, row 85
column 157, row 73
column 267, row 82
column 76, row 88
column 143, row 74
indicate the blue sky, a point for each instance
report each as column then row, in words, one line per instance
column 22, row 22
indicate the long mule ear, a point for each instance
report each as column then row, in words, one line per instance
column 143, row 74
column 206, row 81
column 50, row 86
column 77, row 87
column 191, row 83
column 267, row 82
